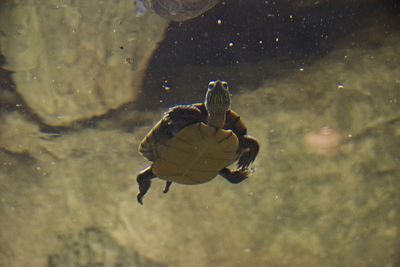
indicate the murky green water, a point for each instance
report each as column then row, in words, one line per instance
column 316, row 83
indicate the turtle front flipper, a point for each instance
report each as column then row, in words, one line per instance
column 181, row 116
column 249, row 146
column 250, row 149
column 144, row 182
column 235, row 177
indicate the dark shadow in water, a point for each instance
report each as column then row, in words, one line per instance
column 247, row 32
column 11, row 101
column 6, row 83
column 7, row 88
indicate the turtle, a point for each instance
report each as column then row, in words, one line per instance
column 192, row 144
column 175, row 10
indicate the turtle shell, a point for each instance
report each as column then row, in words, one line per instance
column 195, row 154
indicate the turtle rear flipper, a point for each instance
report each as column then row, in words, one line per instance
column 144, row 182
column 235, row 177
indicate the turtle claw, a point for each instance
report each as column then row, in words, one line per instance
column 167, row 186
column 249, row 154
column 140, row 198
column 243, row 173
column 244, row 160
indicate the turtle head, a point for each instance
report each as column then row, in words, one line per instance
column 218, row 98
column 218, row 102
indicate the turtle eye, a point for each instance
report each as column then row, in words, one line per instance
column 211, row 85
column 224, row 85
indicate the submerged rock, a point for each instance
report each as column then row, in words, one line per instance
column 78, row 59
column 93, row 247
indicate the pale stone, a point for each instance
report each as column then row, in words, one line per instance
column 70, row 58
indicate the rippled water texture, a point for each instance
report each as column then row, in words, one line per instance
column 317, row 83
